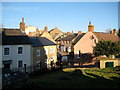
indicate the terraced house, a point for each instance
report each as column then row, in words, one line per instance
column 44, row 53
column 17, row 50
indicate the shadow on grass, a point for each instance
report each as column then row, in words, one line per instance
column 75, row 79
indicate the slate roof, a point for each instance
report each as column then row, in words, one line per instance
column 14, row 37
column 41, row 41
column 106, row 36
column 78, row 38
column 15, row 40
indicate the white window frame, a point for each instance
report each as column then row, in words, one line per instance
column 4, row 50
column 22, row 50
column 46, row 51
column 37, row 52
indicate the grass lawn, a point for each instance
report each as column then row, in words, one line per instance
column 79, row 78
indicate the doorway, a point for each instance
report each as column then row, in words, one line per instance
column 109, row 64
column 7, row 66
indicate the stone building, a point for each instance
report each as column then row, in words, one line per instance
column 44, row 53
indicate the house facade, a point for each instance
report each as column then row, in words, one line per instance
column 44, row 53
column 56, row 33
column 65, row 43
column 86, row 43
column 16, row 51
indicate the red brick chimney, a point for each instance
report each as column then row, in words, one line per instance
column 68, row 33
column 114, row 31
column 22, row 25
column 90, row 27
column 79, row 32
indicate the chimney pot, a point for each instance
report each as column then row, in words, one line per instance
column 79, row 32
column 23, row 20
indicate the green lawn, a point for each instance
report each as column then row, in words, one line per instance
column 79, row 78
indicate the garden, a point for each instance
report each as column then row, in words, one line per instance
column 78, row 78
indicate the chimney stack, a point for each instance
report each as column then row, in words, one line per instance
column 90, row 27
column 22, row 20
column 56, row 27
column 68, row 33
column 114, row 31
column 110, row 32
column 79, row 32
column 22, row 25
column 46, row 28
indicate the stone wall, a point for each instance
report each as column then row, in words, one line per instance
column 45, row 56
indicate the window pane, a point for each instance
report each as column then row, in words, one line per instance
column 20, row 49
column 38, row 52
column 20, row 64
column 6, row 51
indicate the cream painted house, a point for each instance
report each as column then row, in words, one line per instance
column 44, row 53
column 29, row 29
column 46, row 34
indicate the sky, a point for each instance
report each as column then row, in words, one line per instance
column 67, row 16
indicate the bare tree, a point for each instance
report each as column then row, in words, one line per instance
column 108, row 30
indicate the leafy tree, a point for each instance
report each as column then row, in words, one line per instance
column 107, row 48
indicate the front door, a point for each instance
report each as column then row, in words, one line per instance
column 7, row 66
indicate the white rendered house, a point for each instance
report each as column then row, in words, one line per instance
column 16, row 53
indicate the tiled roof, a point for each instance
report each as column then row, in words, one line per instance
column 41, row 41
column 107, row 36
column 68, row 37
column 13, row 32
